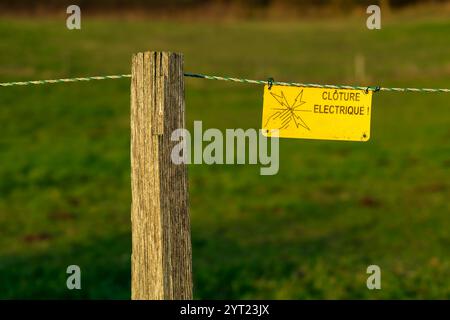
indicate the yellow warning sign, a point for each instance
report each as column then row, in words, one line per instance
column 317, row 113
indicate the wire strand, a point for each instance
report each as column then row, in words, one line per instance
column 231, row 79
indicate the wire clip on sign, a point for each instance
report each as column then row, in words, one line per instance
column 317, row 113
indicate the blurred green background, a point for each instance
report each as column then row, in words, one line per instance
column 309, row 232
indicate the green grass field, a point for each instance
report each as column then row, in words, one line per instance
column 308, row 232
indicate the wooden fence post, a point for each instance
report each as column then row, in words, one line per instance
column 161, row 260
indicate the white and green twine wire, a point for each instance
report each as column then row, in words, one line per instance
column 209, row 77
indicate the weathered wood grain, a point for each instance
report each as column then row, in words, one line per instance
column 161, row 240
